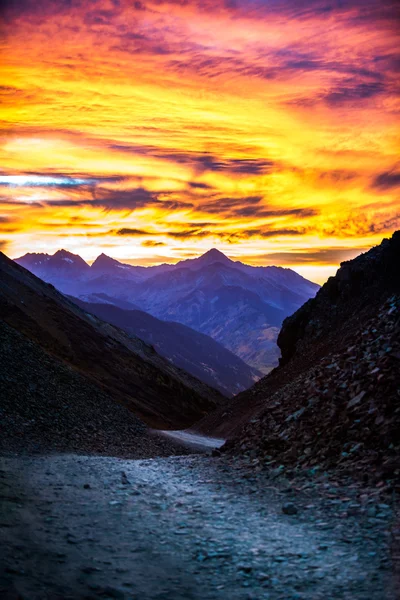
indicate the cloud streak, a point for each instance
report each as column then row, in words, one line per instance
column 328, row 256
column 387, row 180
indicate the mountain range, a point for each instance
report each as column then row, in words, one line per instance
column 240, row 306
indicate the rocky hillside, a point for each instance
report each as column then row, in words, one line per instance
column 335, row 398
column 120, row 367
column 359, row 286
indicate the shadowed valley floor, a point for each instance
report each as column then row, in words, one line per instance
column 186, row 528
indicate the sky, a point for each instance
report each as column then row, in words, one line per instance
column 155, row 130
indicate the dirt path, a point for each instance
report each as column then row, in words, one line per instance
column 190, row 528
column 192, row 440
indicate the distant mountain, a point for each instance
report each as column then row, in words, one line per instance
column 208, row 258
column 62, row 264
column 196, row 353
column 121, row 367
column 106, row 266
column 240, row 306
column 63, row 269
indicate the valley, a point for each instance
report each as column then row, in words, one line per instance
column 196, row 353
column 124, row 476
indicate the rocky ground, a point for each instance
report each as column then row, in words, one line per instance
column 343, row 412
column 77, row 527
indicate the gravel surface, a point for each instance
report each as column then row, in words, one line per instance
column 186, row 528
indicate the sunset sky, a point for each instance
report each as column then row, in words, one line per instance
column 155, row 130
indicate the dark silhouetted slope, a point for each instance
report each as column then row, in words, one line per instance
column 359, row 285
column 122, row 367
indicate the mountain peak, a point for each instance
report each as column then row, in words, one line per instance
column 106, row 264
column 214, row 255
column 68, row 259
column 208, row 258
column 103, row 260
column 62, row 253
column 66, row 254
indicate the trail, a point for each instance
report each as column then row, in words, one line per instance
column 180, row 528
column 192, row 440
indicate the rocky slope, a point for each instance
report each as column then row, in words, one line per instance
column 334, row 400
column 196, row 353
column 121, row 367
column 48, row 407
column 359, row 286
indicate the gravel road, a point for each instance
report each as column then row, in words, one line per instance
column 184, row 528
column 192, row 440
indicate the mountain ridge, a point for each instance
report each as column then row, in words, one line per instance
column 209, row 257
column 195, row 352
column 239, row 306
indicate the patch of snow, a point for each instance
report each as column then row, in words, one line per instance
column 68, row 260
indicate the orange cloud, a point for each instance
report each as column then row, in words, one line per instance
column 250, row 125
